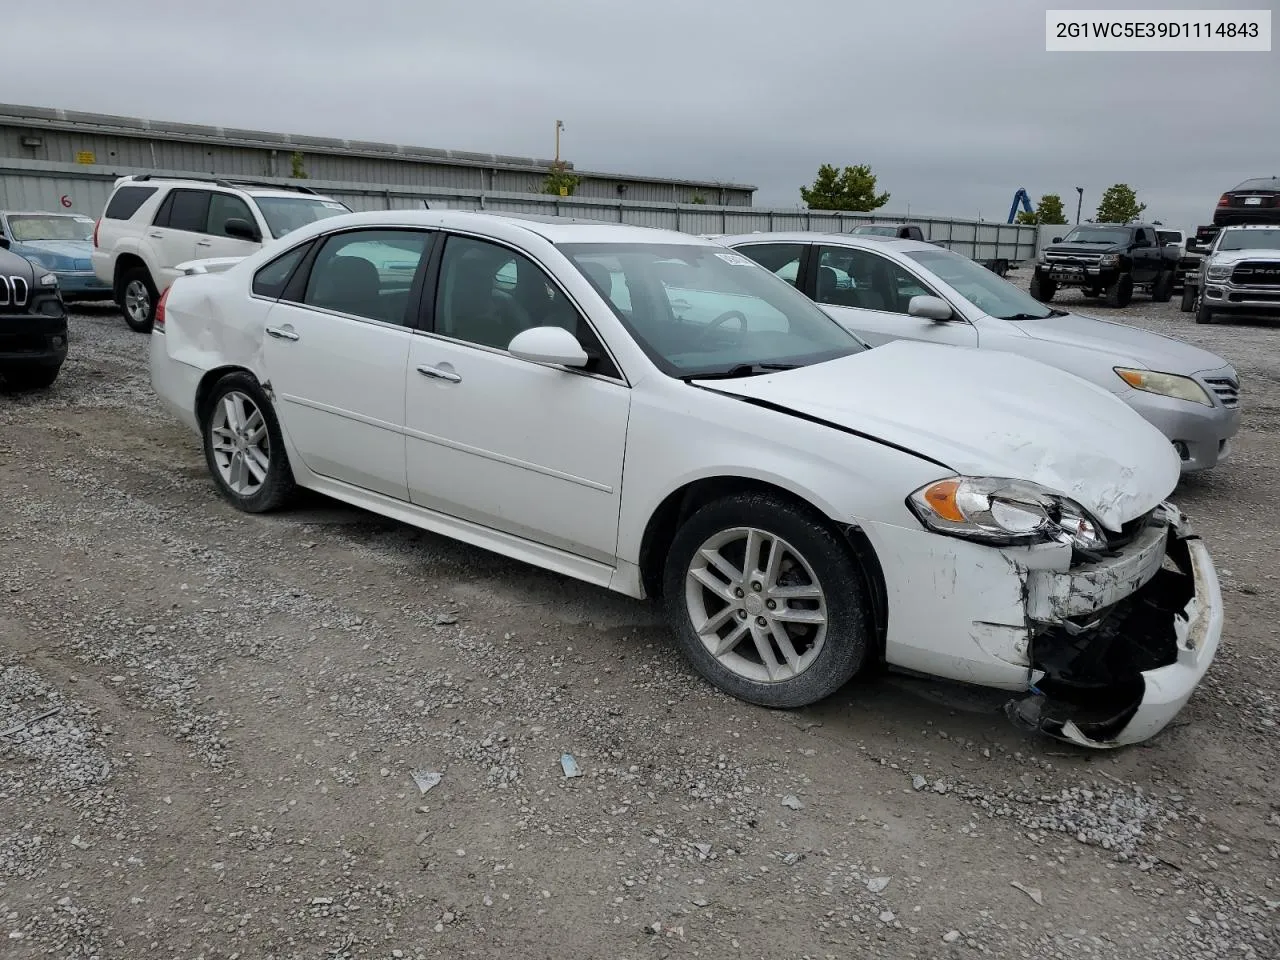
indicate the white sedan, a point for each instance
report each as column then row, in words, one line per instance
column 653, row 413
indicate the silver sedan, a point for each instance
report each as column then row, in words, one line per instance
column 884, row 289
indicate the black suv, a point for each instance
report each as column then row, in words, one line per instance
column 1254, row 201
column 33, row 323
column 1108, row 260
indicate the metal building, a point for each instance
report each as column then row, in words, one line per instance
column 94, row 139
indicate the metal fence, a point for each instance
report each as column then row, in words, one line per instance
column 45, row 185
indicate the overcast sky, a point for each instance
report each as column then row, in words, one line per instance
column 954, row 103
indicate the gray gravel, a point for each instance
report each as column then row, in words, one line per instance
column 241, row 703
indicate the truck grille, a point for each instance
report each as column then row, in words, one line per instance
column 1073, row 259
column 1257, row 273
column 1225, row 389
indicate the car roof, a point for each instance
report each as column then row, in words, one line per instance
column 866, row 240
column 1257, row 183
column 252, row 187
column 555, row 230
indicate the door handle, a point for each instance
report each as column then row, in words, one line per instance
column 281, row 333
column 156, row 236
column 437, row 374
column 204, row 243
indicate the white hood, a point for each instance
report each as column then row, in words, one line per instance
column 1227, row 257
column 987, row 413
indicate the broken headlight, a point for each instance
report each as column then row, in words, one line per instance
column 1004, row 512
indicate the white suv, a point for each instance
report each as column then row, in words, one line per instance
column 153, row 223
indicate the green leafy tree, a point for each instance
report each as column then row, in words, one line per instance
column 560, row 182
column 1048, row 210
column 296, row 169
column 853, row 188
column 1119, row 205
column 698, row 198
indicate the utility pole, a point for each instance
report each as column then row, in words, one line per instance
column 559, row 127
column 1079, row 202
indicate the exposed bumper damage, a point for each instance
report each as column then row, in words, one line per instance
column 1121, row 644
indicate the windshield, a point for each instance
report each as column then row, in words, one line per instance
column 24, row 227
column 1250, row 239
column 1263, row 183
column 1097, row 235
column 286, row 214
column 700, row 310
column 876, row 231
column 986, row 291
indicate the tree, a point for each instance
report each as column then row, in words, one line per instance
column 854, row 188
column 698, row 198
column 1119, row 205
column 297, row 171
column 1048, row 210
column 559, row 181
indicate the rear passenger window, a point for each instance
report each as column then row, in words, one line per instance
column 126, row 201
column 782, row 259
column 188, row 210
column 367, row 273
column 271, row 280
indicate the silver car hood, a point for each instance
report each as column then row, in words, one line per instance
column 985, row 413
column 1227, row 257
column 1128, row 345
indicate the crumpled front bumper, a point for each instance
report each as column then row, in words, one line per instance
column 1131, row 642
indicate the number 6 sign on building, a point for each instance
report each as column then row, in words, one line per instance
column 66, row 200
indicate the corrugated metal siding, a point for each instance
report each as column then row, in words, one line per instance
column 40, row 185
column 195, row 148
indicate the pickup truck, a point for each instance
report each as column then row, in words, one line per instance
column 1239, row 273
column 1108, row 260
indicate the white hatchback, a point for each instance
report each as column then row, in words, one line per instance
column 655, row 414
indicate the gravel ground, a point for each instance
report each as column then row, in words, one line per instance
column 210, row 725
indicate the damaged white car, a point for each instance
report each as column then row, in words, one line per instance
column 652, row 413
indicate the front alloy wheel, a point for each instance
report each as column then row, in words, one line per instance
column 756, row 604
column 766, row 601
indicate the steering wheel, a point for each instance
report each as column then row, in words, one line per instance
column 721, row 320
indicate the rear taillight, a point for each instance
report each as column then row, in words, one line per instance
column 159, row 321
column 1224, row 200
column 96, row 224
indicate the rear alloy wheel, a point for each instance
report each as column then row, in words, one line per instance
column 1043, row 290
column 1162, row 288
column 1120, row 293
column 766, row 602
column 30, row 378
column 1188, row 298
column 244, row 447
column 138, row 299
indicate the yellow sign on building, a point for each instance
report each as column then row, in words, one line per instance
column 86, row 156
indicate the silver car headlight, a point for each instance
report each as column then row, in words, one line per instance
column 1219, row 271
column 1004, row 512
column 48, row 280
column 1165, row 384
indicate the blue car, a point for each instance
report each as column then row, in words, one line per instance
column 61, row 243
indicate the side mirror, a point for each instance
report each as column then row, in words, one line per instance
column 1056, row 240
column 929, row 308
column 242, row 229
column 548, row 345
column 4, row 243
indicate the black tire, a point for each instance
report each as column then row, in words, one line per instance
column 1162, row 288
column 1188, row 298
column 848, row 623
column 30, row 378
column 1120, row 293
column 1043, row 290
column 1203, row 315
column 277, row 487
column 141, row 322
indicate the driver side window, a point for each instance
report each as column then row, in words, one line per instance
column 849, row 277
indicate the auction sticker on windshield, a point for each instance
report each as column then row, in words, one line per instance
column 1134, row 31
column 734, row 259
